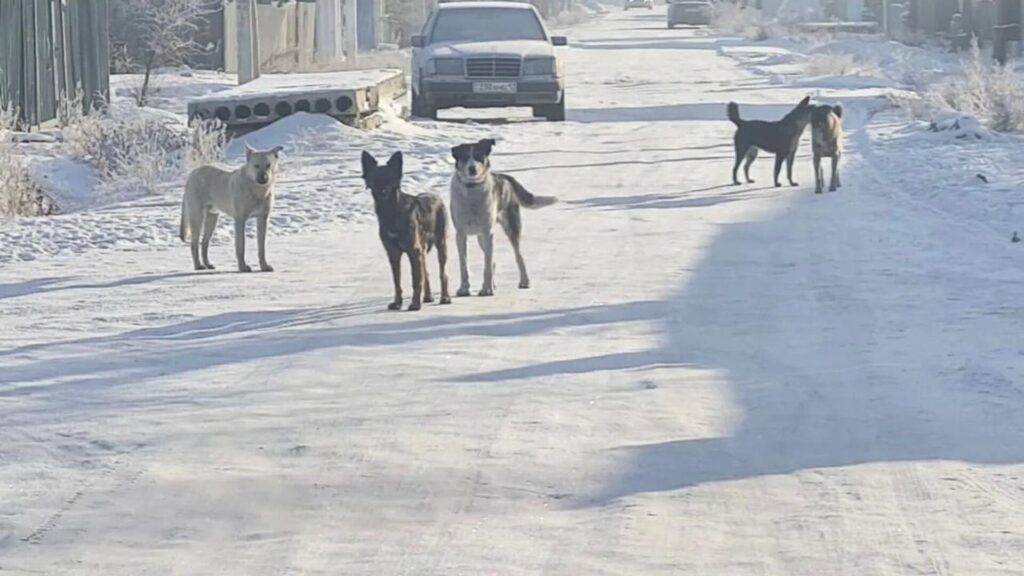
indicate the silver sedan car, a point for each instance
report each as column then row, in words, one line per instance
column 689, row 12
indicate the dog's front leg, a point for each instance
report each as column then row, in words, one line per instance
column 818, row 174
column 261, row 241
column 486, row 241
column 789, row 168
column 834, row 185
column 395, row 259
column 460, row 240
column 428, row 296
column 779, row 159
column 240, row 243
column 416, row 262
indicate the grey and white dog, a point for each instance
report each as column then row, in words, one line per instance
column 480, row 199
column 247, row 191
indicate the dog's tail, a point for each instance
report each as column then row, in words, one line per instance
column 733, row 112
column 525, row 198
column 183, row 230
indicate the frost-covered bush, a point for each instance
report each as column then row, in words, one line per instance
column 207, row 143
column 839, row 64
column 134, row 147
column 19, row 195
column 988, row 91
column 734, row 18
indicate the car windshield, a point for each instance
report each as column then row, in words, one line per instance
column 486, row 24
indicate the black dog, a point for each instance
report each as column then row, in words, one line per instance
column 408, row 224
column 780, row 138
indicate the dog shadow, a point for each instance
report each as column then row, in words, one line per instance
column 688, row 199
column 61, row 283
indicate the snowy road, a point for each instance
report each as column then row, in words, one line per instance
column 704, row 379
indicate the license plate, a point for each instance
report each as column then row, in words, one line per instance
column 494, row 87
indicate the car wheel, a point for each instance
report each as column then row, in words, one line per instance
column 552, row 112
column 422, row 107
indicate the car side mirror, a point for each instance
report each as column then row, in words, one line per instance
column 559, row 41
column 418, row 41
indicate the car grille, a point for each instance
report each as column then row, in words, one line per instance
column 493, row 67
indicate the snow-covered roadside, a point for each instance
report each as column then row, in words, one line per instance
column 319, row 183
column 703, row 379
column 971, row 176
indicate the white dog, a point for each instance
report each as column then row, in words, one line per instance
column 247, row 191
column 480, row 199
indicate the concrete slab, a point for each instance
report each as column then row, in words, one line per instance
column 351, row 96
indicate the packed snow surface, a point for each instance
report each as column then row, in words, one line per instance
column 703, row 378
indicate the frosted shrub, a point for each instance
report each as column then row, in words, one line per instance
column 731, row 17
column 19, row 196
column 131, row 146
column 207, row 144
column 838, row 65
column 992, row 93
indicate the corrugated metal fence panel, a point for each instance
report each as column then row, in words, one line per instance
column 49, row 48
column 46, row 79
column 10, row 54
column 28, row 63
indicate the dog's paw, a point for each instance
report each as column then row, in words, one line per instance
column 210, row 266
column 791, row 183
column 462, row 292
column 524, row 285
column 427, row 299
column 778, row 185
column 485, row 292
column 736, row 183
column 817, row 190
column 199, row 267
column 414, row 306
column 395, row 305
column 266, row 268
column 750, row 181
column 245, row 268
column 446, row 299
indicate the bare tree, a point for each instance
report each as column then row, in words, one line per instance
column 165, row 32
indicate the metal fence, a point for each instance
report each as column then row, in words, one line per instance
column 49, row 48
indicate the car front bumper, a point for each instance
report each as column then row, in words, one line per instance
column 679, row 16
column 455, row 93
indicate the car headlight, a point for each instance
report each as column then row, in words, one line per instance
column 539, row 67
column 446, row 66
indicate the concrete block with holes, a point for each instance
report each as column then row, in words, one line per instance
column 352, row 96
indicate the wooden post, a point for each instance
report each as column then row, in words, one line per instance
column 254, row 24
column 245, row 47
column 350, row 31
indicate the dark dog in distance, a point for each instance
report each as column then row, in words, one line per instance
column 781, row 138
column 410, row 225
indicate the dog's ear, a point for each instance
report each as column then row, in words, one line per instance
column 369, row 165
column 805, row 102
column 395, row 163
column 276, row 151
column 485, row 145
column 460, row 152
column 838, row 110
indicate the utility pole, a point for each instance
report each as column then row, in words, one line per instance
column 350, row 27
column 248, row 41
